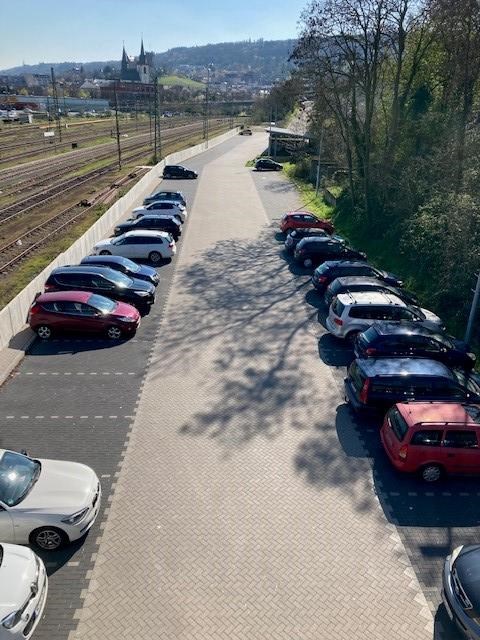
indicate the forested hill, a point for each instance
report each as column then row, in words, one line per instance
column 266, row 58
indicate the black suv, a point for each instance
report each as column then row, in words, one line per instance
column 155, row 222
column 313, row 251
column 352, row 284
column 378, row 383
column 105, row 282
column 404, row 339
column 124, row 265
column 171, row 196
column 266, row 164
column 328, row 271
column 177, row 171
column 295, row 235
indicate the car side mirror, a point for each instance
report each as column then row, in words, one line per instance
column 24, row 452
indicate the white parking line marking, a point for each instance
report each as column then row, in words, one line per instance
column 24, row 417
column 464, row 493
column 113, row 416
column 54, row 417
column 39, row 417
column 83, row 417
column 73, row 563
column 105, row 475
column 9, row 417
column 98, row 417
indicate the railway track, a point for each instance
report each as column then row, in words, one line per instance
column 16, row 250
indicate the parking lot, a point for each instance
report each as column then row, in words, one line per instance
column 241, row 498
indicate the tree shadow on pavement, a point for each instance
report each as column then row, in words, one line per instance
column 249, row 311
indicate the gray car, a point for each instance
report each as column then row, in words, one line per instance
column 461, row 589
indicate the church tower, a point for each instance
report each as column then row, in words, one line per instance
column 143, row 66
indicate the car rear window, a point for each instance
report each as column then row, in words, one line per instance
column 399, row 426
column 337, row 307
column 370, row 335
column 474, row 412
column 357, row 376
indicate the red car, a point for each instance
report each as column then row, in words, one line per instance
column 81, row 311
column 303, row 220
column 433, row 438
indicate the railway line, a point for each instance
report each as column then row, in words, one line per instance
column 16, row 249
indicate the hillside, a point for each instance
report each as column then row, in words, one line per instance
column 266, row 59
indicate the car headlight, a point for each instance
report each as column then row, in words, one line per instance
column 75, row 517
column 12, row 619
column 472, row 356
column 127, row 319
column 142, row 293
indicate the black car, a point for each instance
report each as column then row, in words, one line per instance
column 124, row 265
column 266, row 164
column 352, row 284
column 313, row 251
column 170, row 196
column 155, row 222
column 177, row 171
column 329, row 271
column 411, row 339
column 378, row 383
column 461, row 589
column 104, row 281
column 295, row 235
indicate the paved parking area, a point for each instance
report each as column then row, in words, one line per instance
column 241, row 497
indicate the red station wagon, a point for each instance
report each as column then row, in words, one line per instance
column 433, row 438
column 303, row 220
column 81, row 311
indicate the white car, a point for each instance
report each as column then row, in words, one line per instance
column 145, row 244
column 47, row 503
column 163, row 206
column 23, row 591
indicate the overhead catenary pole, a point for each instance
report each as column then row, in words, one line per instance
column 159, row 123
column 155, row 119
column 55, row 104
column 117, row 126
column 473, row 310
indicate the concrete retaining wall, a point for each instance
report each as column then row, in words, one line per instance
column 13, row 316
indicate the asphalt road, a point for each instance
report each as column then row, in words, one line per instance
column 75, row 399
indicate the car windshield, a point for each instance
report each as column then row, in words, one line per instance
column 102, row 304
column 467, row 381
column 18, row 474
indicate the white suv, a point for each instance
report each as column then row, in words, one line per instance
column 148, row 245
column 351, row 313
column 163, row 206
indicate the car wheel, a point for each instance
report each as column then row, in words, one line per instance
column 44, row 332
column 307, row 262
column 114, row 333
column 48, row 538
column 104, row 252
column 155, row 257
column 431, row 473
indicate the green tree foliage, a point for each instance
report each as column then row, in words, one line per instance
column 398, row 80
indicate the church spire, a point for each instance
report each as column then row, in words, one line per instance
column 142, row 58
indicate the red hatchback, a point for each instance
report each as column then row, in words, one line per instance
column 433, row 438
column 81, row 311
column 303, row 220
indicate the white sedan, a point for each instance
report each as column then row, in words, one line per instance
column 162, row 206
column 23, row 591
column 47, row 503
column 144, row 244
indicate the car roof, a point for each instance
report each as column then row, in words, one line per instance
column 348, row 263
column 370, row 297
column 404, row 328
column 319, row 240
column 293, row 213
column 157, row 193
column 437, row 412
column 104, row 259
column 71, row 296
column 146, row 232
column 152, row 216
column 403, row 367
column 80, row 268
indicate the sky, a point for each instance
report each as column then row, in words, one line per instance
column 33, row 31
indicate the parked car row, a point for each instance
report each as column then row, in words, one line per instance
column 407, row 369
column 107, row 293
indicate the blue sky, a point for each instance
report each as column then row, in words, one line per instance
column 85, row 30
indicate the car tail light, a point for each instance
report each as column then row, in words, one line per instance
column 402, row 452
column 338, row 321
column 171, row 244
column 35, row 308
column 322, row 278
column 370, row 351
column 364, row 391
column 49, row 287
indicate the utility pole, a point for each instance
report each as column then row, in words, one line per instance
column 117, row 126
column 320, row 144
column 473, row 310
column 159, row 134
column 55, row 104
column 155, row 122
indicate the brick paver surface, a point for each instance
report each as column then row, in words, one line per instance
column 245, row 504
